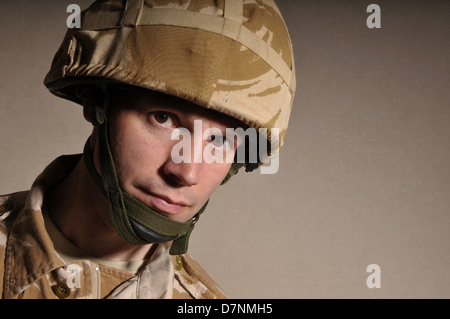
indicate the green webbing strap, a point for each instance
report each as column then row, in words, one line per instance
column 125, row 207
column 233, row 171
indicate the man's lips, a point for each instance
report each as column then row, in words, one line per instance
column 162, row 203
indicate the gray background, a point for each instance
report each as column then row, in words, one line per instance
column 364, row 175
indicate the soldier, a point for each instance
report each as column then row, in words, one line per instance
column 115, row 221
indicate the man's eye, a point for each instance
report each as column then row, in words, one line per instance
column 218, row 141
column 163, row 118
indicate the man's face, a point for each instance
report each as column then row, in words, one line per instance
column 141, row 124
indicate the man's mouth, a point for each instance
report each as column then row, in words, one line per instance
column 162, row 203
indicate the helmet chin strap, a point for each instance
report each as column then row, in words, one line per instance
column 135, row 222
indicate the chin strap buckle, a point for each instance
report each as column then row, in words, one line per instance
column 97, row 115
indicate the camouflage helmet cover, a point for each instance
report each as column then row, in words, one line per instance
column 232, row 56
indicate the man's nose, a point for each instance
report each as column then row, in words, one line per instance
column 186, row 174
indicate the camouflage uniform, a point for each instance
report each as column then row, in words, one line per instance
column 31, row 268
column 231, row 56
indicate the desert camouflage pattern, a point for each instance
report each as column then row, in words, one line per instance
column 232, row 56
column 31, row 268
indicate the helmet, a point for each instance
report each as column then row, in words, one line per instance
column 231, row 56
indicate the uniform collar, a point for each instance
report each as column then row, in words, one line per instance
column 29, row 241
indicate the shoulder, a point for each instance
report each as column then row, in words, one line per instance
column 11, row 204
column 192, row 278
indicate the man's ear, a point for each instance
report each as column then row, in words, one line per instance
column 91, row 96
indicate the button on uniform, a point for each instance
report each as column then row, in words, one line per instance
column 178, row 263
column 61, row 290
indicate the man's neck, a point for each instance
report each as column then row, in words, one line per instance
column 81, row 212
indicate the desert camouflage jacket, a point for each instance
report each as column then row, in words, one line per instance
column 31, row 268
